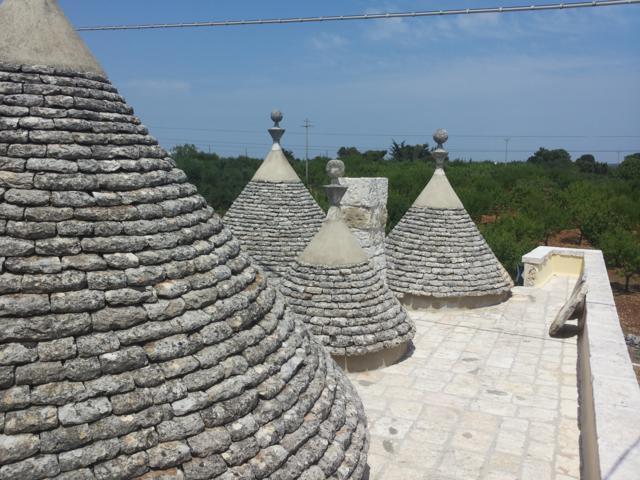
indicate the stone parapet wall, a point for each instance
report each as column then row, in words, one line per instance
column 365, row 211
column 609, row 396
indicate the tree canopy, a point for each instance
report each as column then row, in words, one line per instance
column 517, row 205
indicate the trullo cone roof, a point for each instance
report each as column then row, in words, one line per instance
column 437, row 251
column 135, row 339
column 275, row 216
column 335, row 290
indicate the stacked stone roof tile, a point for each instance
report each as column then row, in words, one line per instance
column 275, row 216
column 349, row 309
column 437, row 251
column 335, row 290
column 135, row 338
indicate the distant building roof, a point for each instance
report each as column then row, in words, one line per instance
column 436, row 250
column 275, row 216
column 135, row 339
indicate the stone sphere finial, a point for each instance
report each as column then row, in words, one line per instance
column 276, row 117
column 335, row 191
column 276, row 132
column 440, row 154
column 335, row 169
column 440, row 137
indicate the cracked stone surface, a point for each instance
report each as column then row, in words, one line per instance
column 486, row 394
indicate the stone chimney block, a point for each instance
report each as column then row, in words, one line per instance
column 365, row 211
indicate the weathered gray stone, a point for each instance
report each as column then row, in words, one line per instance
column 31, row 420
column 14, row 247
column 82, row 369
column 97, row 344
column 57, row 349
column 84, row 412
column 180, row 427
column 59, row 393
column 168, row 454
column 14, row 398
column 32, row 468
column 117, row 318
column 204, row 468
column 17, row 447
column 86, row 456
column 27, row 198
column 24, row 305
column 140, row 440
column 7, row 377
column 84, row 262
column 80, row 301
column 210, row 441
column 16, row 353
column 123, row 360
column 124, row 466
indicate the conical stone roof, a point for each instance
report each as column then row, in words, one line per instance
column 135, row 338
column 437, row 252
column 275, row 216
column 335, row 290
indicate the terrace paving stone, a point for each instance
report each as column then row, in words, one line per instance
column 486, row 394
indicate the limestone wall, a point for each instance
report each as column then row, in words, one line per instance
column 365, row 210
column 609, row 396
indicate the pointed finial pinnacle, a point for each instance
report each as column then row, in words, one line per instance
column 440, row 154
column 335, row 169
column 275, row 131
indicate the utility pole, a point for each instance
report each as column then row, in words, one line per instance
column 307, row 125
column 506, row 149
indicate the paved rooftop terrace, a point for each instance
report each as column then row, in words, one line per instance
column 486, row 394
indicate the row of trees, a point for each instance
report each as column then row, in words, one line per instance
column 518, row 205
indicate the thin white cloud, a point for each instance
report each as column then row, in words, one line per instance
column 158, row 86
column 328, row 41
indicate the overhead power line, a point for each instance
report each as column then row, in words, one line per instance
column 368, row 16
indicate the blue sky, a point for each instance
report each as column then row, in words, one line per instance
column 563, row 73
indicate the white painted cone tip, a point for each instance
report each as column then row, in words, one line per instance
column 438, row 193
column 333, row 246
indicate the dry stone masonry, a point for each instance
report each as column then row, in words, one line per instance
column 436, row 256
column 335, row 290
column 364, row 207
column 275, row 216
column 135, row 339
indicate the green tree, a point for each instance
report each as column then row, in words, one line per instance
column 622, row 251
column 551, row 158
column 587, row 208
column 510, row 238
column 629, row 169
column 401, row 152
column 541, row 200
column 587, row 164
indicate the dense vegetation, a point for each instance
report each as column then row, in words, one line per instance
column 518, row 205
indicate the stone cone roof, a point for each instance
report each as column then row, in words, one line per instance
column 437, row 251
column 333, row 288
column 135, row 338
column 275, row 216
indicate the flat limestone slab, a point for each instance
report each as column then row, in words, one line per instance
column 486, row 394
